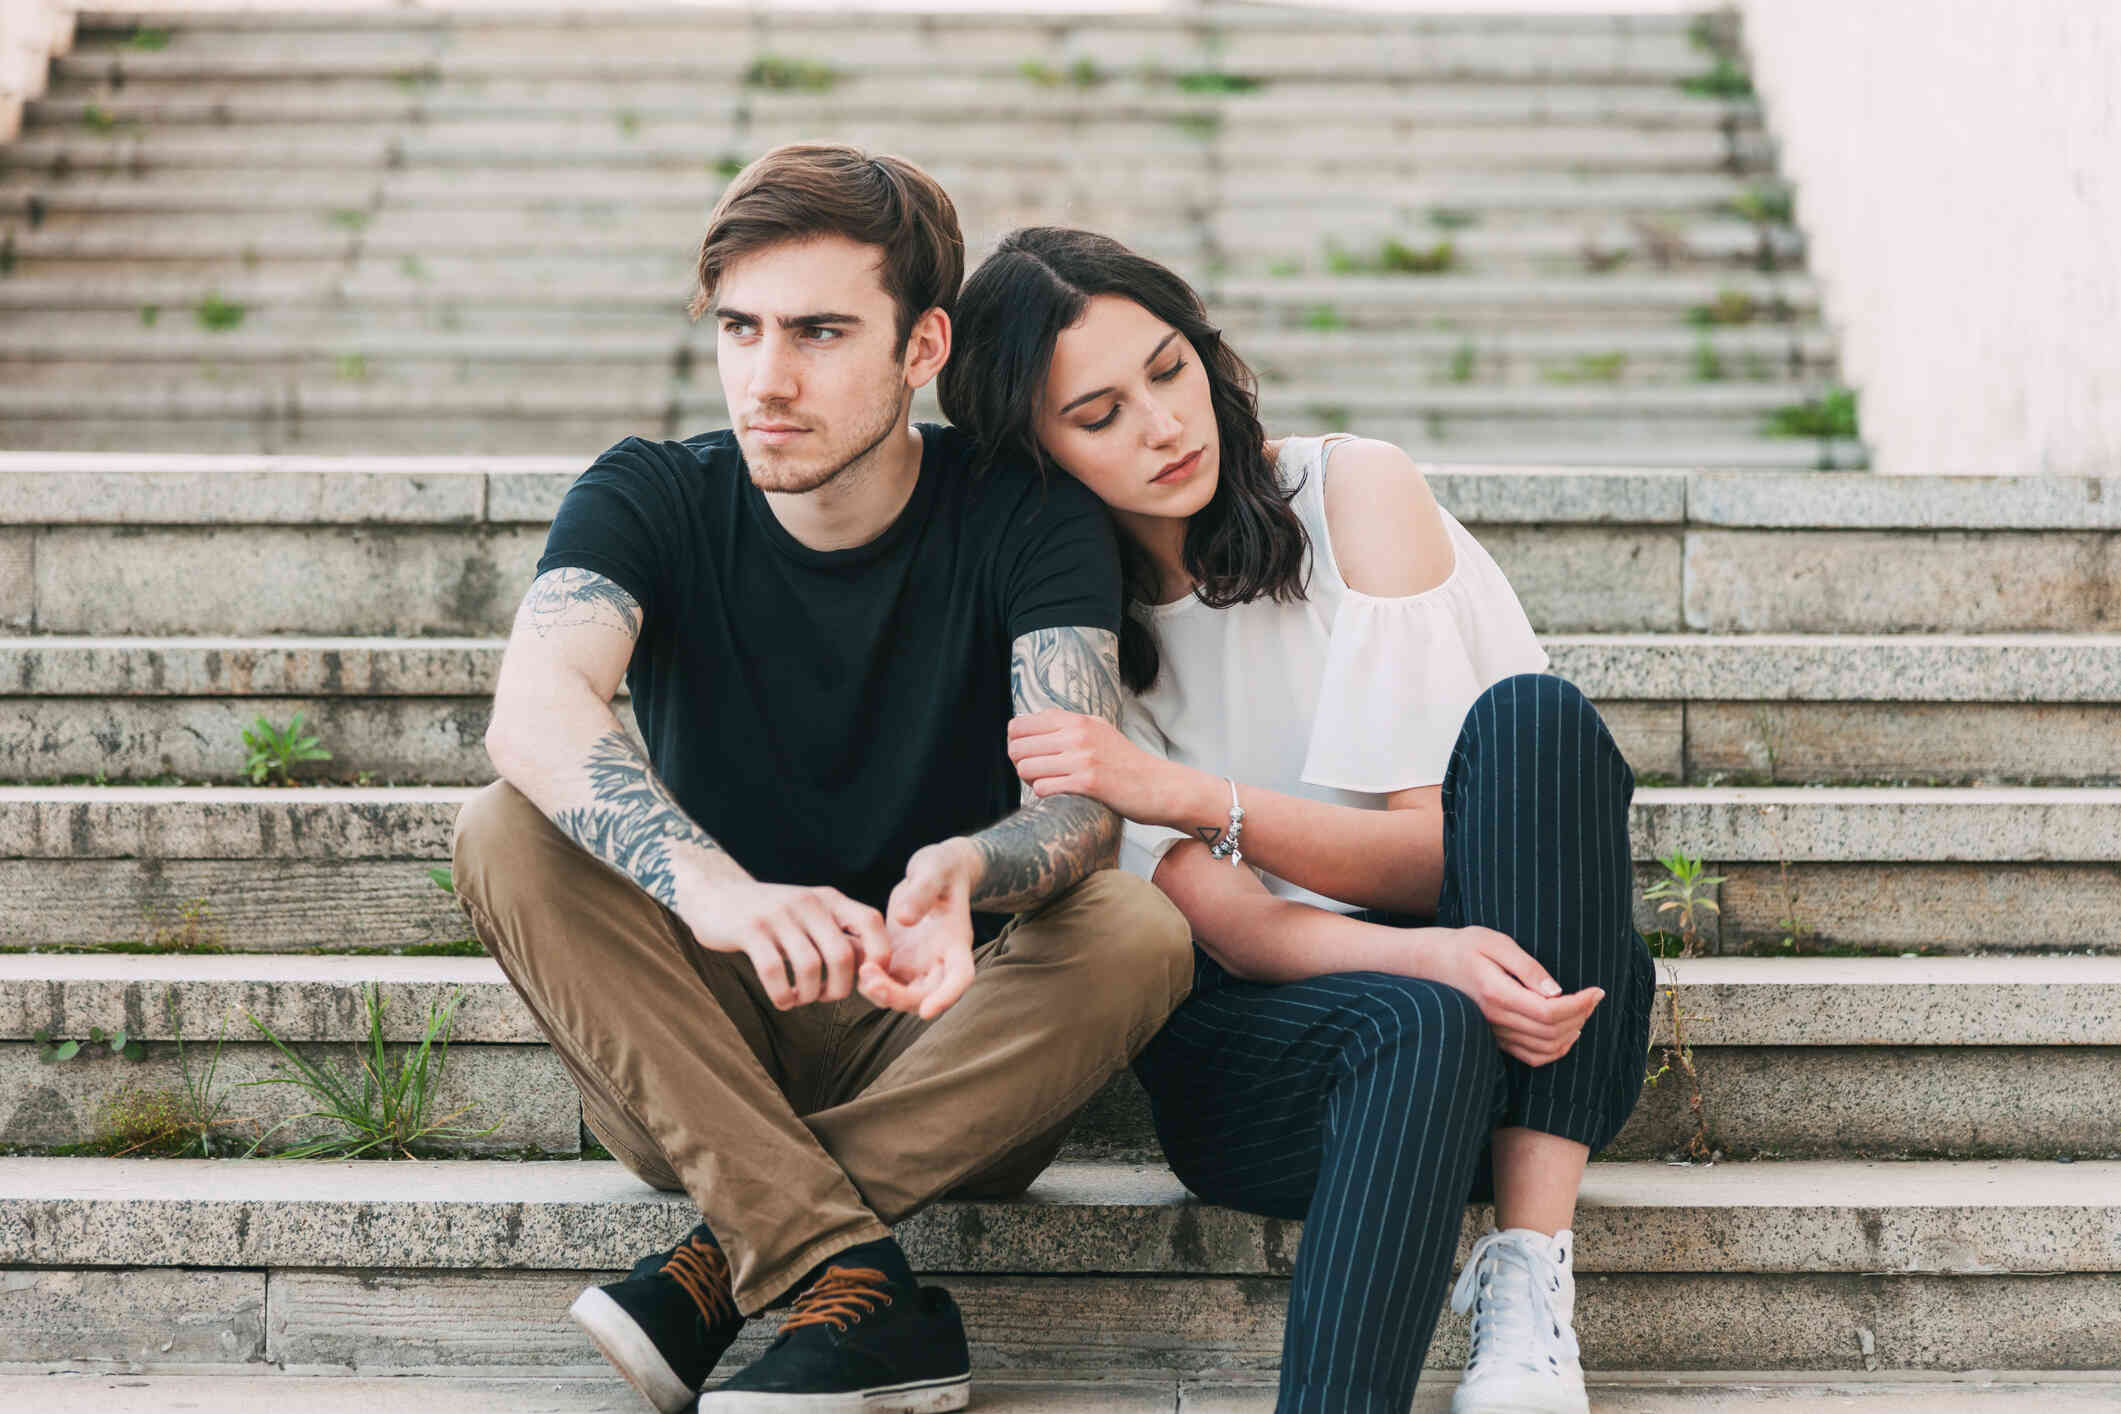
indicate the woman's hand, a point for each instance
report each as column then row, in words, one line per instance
column 1068, row 753
column 1531, row 1024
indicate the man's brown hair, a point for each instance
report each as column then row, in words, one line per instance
column 801, row 190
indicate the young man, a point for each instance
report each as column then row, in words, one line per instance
column 772, row 954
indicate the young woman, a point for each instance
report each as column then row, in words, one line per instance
column 1403, row 848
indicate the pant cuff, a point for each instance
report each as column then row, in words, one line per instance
column 767, row 1287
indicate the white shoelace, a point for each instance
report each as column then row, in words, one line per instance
column 1531, row 1328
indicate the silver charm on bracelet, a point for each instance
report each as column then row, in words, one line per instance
column 1227, row 846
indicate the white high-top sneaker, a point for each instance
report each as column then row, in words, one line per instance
column 1521, row 1287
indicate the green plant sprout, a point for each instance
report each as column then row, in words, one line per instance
column 218, row 314
column 790, row 75
column 1831, row 416
column 274, row 750
column 51, row 1052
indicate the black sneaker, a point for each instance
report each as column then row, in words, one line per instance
column 862, row 1338
column 667, row 1322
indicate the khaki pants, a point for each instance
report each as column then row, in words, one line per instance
column 801, row 1133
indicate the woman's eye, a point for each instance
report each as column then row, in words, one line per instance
column 1102, row 423
column 1170, row 373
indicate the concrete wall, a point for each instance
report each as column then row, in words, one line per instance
column 1957, row 166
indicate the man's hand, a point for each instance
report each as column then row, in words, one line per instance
column 807, row 944
column 928, row 925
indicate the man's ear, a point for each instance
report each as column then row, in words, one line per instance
column 927, row 348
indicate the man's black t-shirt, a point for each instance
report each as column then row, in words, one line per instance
column 825, row 713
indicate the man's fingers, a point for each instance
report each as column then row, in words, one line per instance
column 953, row 975
column 835, row 955
column 865, row 925
column 772, row 970
column 804, row 964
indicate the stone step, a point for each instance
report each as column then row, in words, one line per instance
column 468, row 1264
column 447, row 546
column 1330, row 109
column 1797, row 1057
column 47, row 350
column 1645, row 1392
column 1297, row 302
column 1872, row 869
column 684, row 150
column 1707, row 709
column 225, row 247
column 984, row 201
column 722, row 49
column 1470, row 414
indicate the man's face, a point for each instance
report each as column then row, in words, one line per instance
column 807, row 352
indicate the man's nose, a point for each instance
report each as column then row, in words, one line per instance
column 773, row 372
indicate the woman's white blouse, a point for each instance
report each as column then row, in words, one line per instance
column 1339, row 696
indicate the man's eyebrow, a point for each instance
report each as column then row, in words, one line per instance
column 1088, row 397
column 788, row 321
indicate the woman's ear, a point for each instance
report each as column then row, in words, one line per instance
column 927, row 348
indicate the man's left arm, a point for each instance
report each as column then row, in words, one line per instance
column 1049, row 845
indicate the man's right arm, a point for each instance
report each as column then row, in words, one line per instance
column 554, row 737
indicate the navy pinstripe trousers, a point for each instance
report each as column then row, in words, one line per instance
column 1363, row 1102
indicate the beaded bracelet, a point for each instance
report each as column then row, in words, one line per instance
column 1226, row 847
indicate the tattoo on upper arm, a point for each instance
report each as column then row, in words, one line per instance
column 1052, row 843
column 634, row 820
column 1074, row 669
column 567, row 597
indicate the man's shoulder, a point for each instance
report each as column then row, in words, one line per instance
column 676, row 471
column 1010, row 488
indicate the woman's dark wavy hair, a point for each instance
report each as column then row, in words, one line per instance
column 1246, row 542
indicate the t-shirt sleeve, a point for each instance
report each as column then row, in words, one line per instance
column 1061, row 566
column 620, row 519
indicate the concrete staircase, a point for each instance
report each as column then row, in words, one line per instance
column 1886, row 712
column 1505, row 239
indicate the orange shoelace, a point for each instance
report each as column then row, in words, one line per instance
column 702, row 1270
column 841, row 1295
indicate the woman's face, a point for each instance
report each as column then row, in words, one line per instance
column 1126, row 411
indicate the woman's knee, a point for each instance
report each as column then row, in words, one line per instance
column 1530, row 726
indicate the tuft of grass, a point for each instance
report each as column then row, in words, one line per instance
column 1591, row 368
column 352, row 367
column 1334, row 417
column 1084, row 73
column 1452, row 218
column 412, row 80
column 1767, row 205
column 1324, row 318
column 1040, row 72
column 192, row 930
column 1831, row 416
column 148, row 41
column 350, row 218
column 629, row 123
column 1203, row 126
column 219, row 315
column 1728, row 79
column 727, row 166
column 1729, row 307
column 1215, row 81
column 410, row 267
column 388, row 1115
column 787, row 75
column 1708, row 364
column 1400, row 259
column 1463, row 363
column 1283, row 269
column 97, row 119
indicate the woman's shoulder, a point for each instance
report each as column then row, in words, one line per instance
column 1390, row 537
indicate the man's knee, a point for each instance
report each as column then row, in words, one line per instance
column 1126, row 927
column 495, row 814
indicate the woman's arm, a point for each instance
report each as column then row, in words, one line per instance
column 1262, row 938
column 1390, row 859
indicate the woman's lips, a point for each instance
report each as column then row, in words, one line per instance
column 1180, row 472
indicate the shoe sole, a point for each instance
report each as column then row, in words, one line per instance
column 620, row 1339
column 913, row 1397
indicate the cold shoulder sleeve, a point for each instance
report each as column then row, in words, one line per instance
column 1400, row 674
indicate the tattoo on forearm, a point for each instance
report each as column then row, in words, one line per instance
column 565, row 598
column 635, row 822
column 1052, row 843
column 1210, row 835
column 1035, row 853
